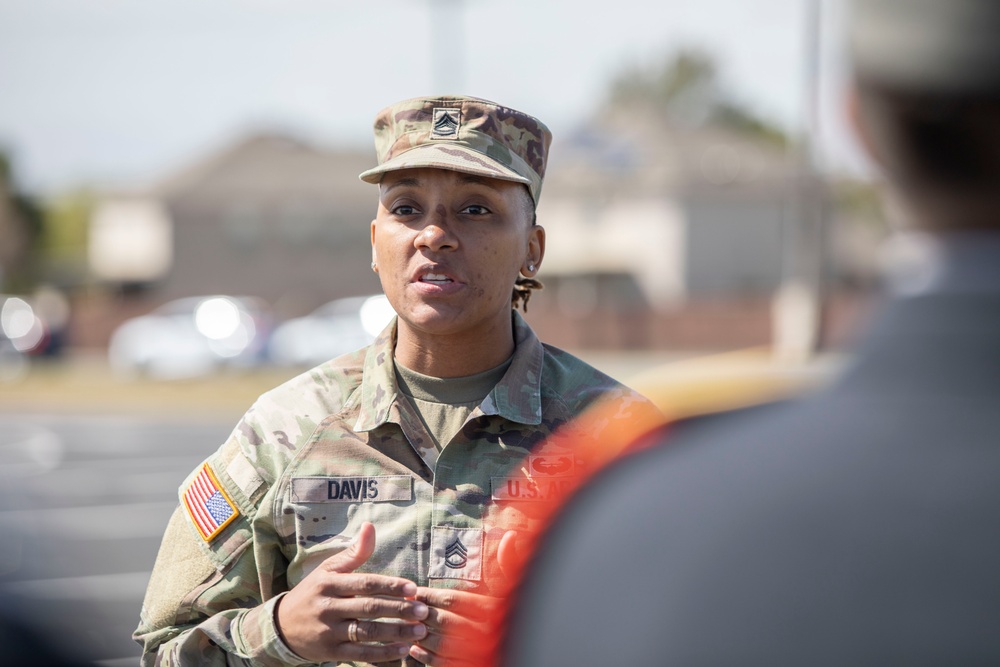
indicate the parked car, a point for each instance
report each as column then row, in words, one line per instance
column 22, row 333
column 338, row 327
column 192, row 336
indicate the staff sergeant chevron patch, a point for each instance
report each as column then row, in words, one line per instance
column 456, row 556
column 445, row 123
column 456, row 553
column 207, row 504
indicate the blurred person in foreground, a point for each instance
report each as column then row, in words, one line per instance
column 857, row 526
column 34, row 630
column 361, row 512
column 26, row 636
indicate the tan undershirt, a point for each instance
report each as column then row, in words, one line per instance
column 444, row 404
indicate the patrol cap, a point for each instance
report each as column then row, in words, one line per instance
column 947, row 46
column 465, row 134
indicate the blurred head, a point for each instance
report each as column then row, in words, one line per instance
column 927, row 105
column 455, row 229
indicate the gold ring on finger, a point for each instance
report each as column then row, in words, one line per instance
column 352, row 631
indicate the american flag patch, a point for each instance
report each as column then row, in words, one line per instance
column 209, row 506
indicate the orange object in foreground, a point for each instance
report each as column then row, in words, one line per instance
column 548, row 478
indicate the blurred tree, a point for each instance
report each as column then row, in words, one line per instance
column 64, row 238
column 20, row 228
column 863, row 202
column 733, row 116
column 684, row 90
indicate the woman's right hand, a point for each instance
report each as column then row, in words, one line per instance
column 315, row 618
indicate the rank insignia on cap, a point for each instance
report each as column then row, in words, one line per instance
column 445, row 123
column 208, row 505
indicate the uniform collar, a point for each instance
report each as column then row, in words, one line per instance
column 517, row 397
column 378, row 384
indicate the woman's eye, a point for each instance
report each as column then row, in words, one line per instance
column 404, row 209
column 476, row 209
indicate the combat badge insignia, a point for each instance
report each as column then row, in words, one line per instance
column 551, row 465
column 207, row 504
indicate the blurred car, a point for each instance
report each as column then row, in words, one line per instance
column 22, row 333
column 192, row 336
column 333, row 329
column 21, row 325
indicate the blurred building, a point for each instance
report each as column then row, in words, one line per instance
column 662, row 234
column 658, row 235
column 270, row 216
column 685, row 214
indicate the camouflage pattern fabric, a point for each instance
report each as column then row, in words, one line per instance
column 463, row 134
column 338, row 446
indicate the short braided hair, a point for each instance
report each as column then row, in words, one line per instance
column 522, row 292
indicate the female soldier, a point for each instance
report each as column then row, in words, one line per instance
column 361, row 511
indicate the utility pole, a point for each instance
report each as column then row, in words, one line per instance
column 448, row 53
column 798, row 307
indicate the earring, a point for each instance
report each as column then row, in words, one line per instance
column 374, row 266
column 531, row 267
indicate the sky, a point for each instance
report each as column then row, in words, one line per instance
column 118, row 93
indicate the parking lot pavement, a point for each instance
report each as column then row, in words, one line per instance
column 84, row 503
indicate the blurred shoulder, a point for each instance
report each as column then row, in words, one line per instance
column 731, row 424
column 678, row 457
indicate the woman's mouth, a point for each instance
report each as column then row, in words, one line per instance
column 435, row 279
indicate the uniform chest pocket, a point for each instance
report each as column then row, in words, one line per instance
column 327, row 507
column 323, row 514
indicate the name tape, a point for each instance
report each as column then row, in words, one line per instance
column 381, row 489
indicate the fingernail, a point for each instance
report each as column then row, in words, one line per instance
column 409, row 589
column 420, row 610
column 419, row 631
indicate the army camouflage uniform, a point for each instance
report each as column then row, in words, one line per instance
column 338, row 446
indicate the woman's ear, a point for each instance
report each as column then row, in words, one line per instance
column 536, row 252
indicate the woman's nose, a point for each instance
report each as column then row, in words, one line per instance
column 437, row 233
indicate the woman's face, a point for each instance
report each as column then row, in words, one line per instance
column 449, row 246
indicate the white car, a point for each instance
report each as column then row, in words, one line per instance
column 191, row 337
column 22, row 333
column 338, row 327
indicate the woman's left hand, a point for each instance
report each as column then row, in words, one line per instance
column 460, row 631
